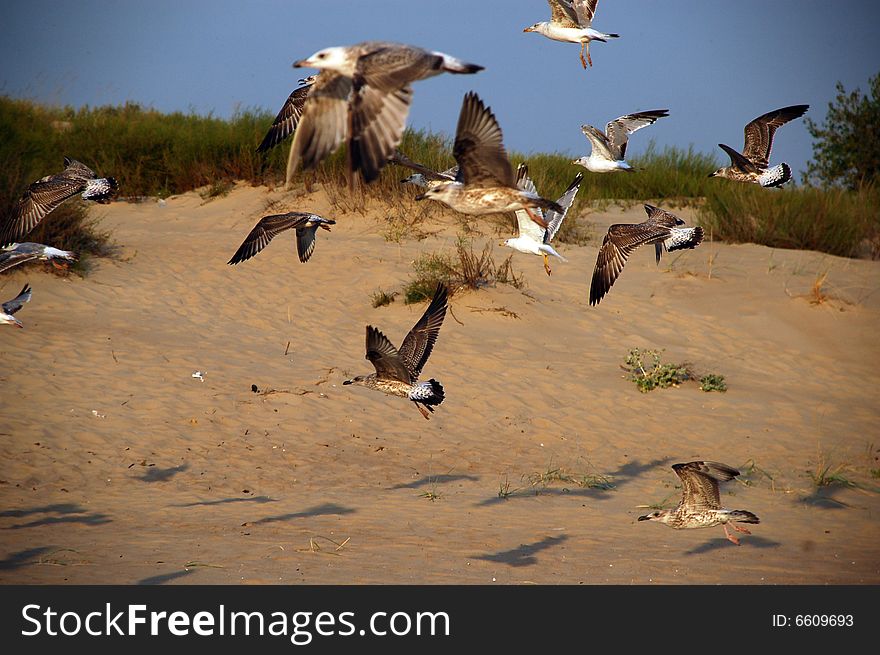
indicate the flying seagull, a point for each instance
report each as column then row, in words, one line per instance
column 424, row 176
column 570, row 22
column 609, row 147
column 661, row 229
column 47, row 193
column 12, row 306
column 306, row 226
column 753, row 164
column 363, row 97
column 700, row 505
column 397, row 371
column 287, row 119
column 532, row 238
column 485, row 183
column 19, row 253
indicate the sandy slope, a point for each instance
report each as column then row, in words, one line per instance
column 117, row 466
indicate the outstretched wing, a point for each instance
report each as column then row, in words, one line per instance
column 554, row 219
column 585, row 9
column 418, row 344
column 287, row 119
column 13, row 258
column 621, row 240
column 41, row 197
column 562, row 13
column 759, row 133
column 700, row 483
column 266, row 230
column 599, row 142
column 400, row 159
column 738, row 160
column 12, row 306
column 478, row 147
column 385, row 358
column 619, row 129
column 305, row 242
column 528, row 227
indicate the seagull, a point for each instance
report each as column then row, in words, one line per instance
column 660, row 229
column 12, row 306
column 397, row 371
column 363, row 97
column 533, row 239
column 570, row 22
column 287, row 119
column 753, row 164
column 700, row 505
column 424, row 176
column 268, row 227
column 485, row 183
column 19, row 253
column 47, row 193
column 609, row 147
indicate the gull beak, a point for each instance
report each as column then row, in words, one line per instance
column 644, row 518
column 349, row 382
column 302, row 63
column 421, row 196
column 711, row 174
column 529, row 29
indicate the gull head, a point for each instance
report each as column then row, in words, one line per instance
column 443, row 192
column 661, row 515
column 507, row 242
column 358, row 379
column 580, row 161
column 303, row 81
column 721, row 172
column 335, row 59
column 533, row 28
column 10, row 320
column 416, row 178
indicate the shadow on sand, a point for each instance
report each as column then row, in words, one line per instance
column 523, row 555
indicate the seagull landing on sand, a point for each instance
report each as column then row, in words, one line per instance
column 306, row 226
column 19, row 253
column 661, row 229
column 753, row 164
column 570, row 22
column 47, row 193
column 532, row 238
column 362, row 97
column 609, row 147
column 287, row 119
column 424, row 176
column 12, row 306
column 700, row 505
column 397, row 371
column 485, row 183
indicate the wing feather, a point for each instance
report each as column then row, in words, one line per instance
column 759, row 132
column 323, row 124
column 479, row 149
column 700, row 483
column 12, row 306
column 267, row 229
column 385, row 358
column 287, row 119
column 418, row 344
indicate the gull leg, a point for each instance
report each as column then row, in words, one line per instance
column 540, row 221
column 583, row 62
column 546, row 263
column 423, row 411
column 730, row 536
column 589, row 58
column 740, row 529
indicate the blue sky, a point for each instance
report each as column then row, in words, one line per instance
column 714, row 64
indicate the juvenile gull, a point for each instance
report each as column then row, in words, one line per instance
column 12, row 306
column 571, row 22
column 424, row 177
column 700, row 505
column 362, row 97
column 305, row 224
column 661, row 229
column 19, row 253
column 485, row 183
column 47, row 193
column 397, row 371
column 753, row 164
column 287, row 119
column 609, row 147
column 532, row 238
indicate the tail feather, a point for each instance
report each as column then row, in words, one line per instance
column 453, row 65
column 776, row 176
column 684, row 237
column 429, row 392
column 742, row 516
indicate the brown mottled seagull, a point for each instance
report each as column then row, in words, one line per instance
column 287, row 119
column 662, row 229
column 700, row 505
column 397, row 371
column 47, row 193
column 571, row 22
column 305, row 224
column 485, row 183
column 19, row 253
column 11, row 306
column 609, row 147
column 753, row 164
column 362, row 97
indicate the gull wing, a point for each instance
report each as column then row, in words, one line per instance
column 267, row 229
column 12, row 306
column 599, row 141
column 585, row 10
column 562, row 13
column 384, row 357
column 287, row 119
column 620, row 241
column 737, row 160
column 554, row 219
column 619, row 129
column 527, row 227
column 13, row 258
column 376, row 122
column 418, row 344
column 305, row 242
column 41, row 197
column 430, row 174
column 478, row 147
column 700, row 483
column 759, row 133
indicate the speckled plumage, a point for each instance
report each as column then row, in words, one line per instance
column 305, row 224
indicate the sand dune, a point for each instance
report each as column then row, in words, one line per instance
column 119, row 467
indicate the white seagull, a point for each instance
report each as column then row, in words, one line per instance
column 12, row 306
column 19, row 253
column 362, row 97
column 533, row 239
column 571, row 22
column 609, row 147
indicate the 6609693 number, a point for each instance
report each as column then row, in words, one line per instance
column 823, row 620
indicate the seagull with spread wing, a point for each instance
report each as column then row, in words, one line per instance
column 287, row 119
column 362, row 97
column 485, row 183
column 609, row 147
column 662, row 229
column 305, row 224
column 532, row 238
column 397, row 371
column 424, row 177
column 753, row 165
column 19, row 253
column 49, row 192
column 10, row 307
column 571, row 22
column 700, row 505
